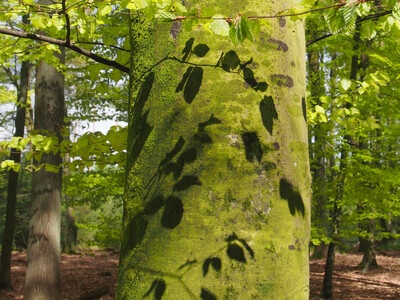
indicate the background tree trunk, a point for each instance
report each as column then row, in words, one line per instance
column 12, row 185
column 43, row 267
column 218, row 186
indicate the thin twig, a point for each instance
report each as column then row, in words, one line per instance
column 101, row 44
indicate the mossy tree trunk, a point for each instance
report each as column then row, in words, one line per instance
column 218, row 184
column 43, row 266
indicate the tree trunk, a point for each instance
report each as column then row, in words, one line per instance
column 12, row 185
column 217, row 198
column 72, row 232
column 327, row 285
column 369, row 255
column 327, row 290
column 43, row 267
column 318, row 154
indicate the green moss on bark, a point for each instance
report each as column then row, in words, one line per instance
column 211, row 177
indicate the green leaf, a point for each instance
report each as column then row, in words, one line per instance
column 396, row 11
column 319, row 109
column 344, row 85
column 51, row 168
column 165, row 15
column 244, row 29
column 137, row 4
column 38, row 21
column 354, row 111
column 220, row 27
column 106, row 10
column 363, row 9
column 368, row 31
column 180, row 7
column 7, row 164
column 232, row 34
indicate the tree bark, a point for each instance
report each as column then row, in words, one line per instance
column 218, row 187
column 12, row 185
column 43, row 267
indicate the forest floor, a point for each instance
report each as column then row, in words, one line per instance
column 84, row 273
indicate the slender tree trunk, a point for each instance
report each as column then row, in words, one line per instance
column 72, row 232
column 43, row 268
column 327, row 286
column 9, row 226
column 318, row 155
column 217, row 198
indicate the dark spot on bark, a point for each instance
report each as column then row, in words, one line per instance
column 188, row 49
column 175, row 29
column 304, row 108
column 154, row 205
column 268, row 113
column 186, row 182
column 170, row 155
column 190, row 83
column 276, row 146
column 173, row 212
column 201, row 135
column 185, row 77
column 37, row 237
column 295, row 202
column 207, row 295
column 236, row 252
column 282, row 22
column 141, row 129
column 230, row 61
column 293, row 64
column 249, row 77
column 201, row 50
column 252, row 146
column 211, row 121
column 193, row 84
column 158, row 286
column 232, row 239
column 282, row 46
column 176, row 168
column 291, row 247
column 187, row 264
column 215, row 262
column 135, row 232
column 268, row 166
column 282, row 80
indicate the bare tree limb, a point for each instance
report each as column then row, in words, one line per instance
column 84, row 52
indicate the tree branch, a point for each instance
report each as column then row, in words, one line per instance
column 84, row 52
column 366, row 18
column 67, row 24
column 102, row 44
column 11, row 77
